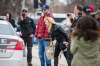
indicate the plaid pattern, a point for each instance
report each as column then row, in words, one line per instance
column 41, row 30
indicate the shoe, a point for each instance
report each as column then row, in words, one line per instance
column 29, row 64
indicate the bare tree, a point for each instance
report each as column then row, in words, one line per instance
column 13, row 6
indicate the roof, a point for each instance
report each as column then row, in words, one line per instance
column 2, row 17
column 59, row 15
column 4, row 22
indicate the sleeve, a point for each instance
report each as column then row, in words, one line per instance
column 74, row 46
column 18, row 25
column 37, row 27
column 13, row 23
column 33, row 25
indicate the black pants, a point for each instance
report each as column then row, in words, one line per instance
column 28, row 43
column 67, row 55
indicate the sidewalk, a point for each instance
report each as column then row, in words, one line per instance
column 36, row 61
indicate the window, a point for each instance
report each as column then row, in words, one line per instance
column 59, row 19
column 6, row 29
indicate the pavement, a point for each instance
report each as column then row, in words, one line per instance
column 36, row 60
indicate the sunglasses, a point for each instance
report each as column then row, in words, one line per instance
column 24, row 10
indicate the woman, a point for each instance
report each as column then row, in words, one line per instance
column 9, row 19
column 62, row 44
column 85, row 43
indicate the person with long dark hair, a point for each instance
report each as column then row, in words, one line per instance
column 10, row 20
column 85, row 43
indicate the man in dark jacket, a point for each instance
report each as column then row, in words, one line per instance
column 27, row 28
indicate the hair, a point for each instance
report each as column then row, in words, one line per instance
column 86, row 28
column 79, row 7
column 10, row 15
column 70, row 17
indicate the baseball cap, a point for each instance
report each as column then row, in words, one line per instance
column 45, row 7
column 88, row 10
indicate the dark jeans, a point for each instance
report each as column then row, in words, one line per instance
column 28, row 43
column 67, row 55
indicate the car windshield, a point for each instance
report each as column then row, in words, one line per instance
column 6, row 29
column 59, row 19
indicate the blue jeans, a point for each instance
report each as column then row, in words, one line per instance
column 42, row 54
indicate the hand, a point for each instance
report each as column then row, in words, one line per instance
column 19, row 33
column 21, row 17
column 31, row 35
column 66, row 43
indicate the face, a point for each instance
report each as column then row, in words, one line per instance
column 76, row 11
column 7, row 16
column 46, row 11
column 24, row 13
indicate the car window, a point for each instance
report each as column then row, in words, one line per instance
column 6, row 29
column 59, row 19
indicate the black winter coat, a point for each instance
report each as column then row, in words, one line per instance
column 27, row 27
column 60, row 36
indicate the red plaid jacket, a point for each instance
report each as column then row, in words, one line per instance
column 41, row 30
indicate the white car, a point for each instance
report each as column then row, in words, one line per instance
column 2, row 17
column 12, row 49
column 59, row 17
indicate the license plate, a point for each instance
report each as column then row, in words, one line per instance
column 3, row 41
column 2, row 51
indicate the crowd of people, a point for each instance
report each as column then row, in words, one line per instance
column 77, row 37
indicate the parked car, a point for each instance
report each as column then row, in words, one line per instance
column 59, row 17
column 12, row 49
column 2, row 17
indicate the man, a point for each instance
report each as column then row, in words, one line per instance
column 27, row 28
column 78, row 14
column 87, row 10
column 42, row 33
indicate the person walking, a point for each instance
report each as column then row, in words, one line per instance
column 27, row 28
column 85, row 43
column 42, row 33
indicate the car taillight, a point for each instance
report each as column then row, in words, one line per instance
column 19, row 46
